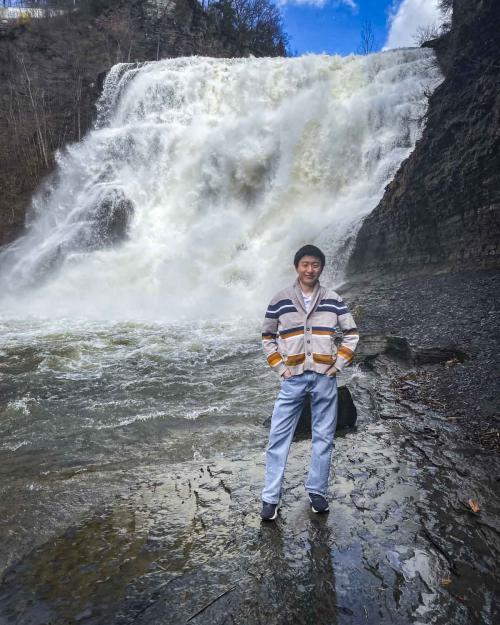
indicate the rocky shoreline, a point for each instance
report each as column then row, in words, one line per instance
column 453, row 314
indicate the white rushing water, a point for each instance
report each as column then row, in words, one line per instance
column 216, row 170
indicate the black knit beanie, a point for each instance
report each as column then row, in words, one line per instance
column 309, row 250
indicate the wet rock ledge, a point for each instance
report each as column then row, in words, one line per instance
column 447, row 318
column 413, row 533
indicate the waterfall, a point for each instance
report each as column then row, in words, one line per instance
column 203, row 176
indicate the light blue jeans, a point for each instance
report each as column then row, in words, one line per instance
column 286, row 414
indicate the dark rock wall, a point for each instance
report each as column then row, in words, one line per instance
column 441, row 211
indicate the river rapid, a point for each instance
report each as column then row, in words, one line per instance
column 87, row 403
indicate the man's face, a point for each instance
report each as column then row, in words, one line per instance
column 309, row 270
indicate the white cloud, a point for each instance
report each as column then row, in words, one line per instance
column 407, row 17
column 351, row 4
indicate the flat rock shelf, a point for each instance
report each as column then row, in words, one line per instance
column 412, row 535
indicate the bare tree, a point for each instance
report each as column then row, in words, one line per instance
column 427, row 33
column 367, row 44
column 434, row 30
column 37, row 102
column 252, row 26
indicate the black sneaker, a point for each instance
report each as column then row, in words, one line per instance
column 269, row 511
column 318, row 503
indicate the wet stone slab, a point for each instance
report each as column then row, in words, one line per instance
column 185, row 543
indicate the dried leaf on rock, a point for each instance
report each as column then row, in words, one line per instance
column 474, row 506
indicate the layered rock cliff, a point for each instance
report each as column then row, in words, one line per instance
column 441, row 211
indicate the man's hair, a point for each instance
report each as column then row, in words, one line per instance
column 309, row 250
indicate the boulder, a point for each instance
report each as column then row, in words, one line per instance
column 372, row 345
column 346, row 415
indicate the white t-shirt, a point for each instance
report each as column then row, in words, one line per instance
column 307, row 300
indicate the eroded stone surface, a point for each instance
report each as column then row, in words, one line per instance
column 400, row 540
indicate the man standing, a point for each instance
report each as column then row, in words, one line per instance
column 297, row 336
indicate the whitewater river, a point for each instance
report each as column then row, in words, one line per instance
column 85, row 404
column 133, row 388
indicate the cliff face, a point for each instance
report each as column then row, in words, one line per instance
column 441, row 212
column 51, row 71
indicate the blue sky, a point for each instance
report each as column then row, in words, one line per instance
column 334, row 26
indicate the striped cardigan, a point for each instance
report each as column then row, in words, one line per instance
column 303, row 341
